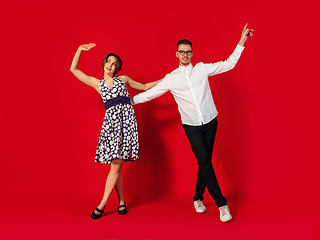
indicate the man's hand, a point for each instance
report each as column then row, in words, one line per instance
column 245, row 33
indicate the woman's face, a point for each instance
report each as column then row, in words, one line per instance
column 110, row 65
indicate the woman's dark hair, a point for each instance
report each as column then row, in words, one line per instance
column 184, row 41
column 118, row 62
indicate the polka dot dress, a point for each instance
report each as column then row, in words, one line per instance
column 119, row 135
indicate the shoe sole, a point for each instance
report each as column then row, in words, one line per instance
column 226, row 220
column 201, row 211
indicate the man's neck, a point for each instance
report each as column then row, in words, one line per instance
column 184, row 65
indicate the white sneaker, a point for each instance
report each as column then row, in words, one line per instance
column 198, row 205
column 225, row 215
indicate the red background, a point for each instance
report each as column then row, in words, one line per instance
column 265, row 154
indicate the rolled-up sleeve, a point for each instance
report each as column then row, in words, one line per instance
column 223, row 66
column 161, row 88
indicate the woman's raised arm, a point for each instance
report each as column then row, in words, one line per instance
column 136, row 85
column 91, row 81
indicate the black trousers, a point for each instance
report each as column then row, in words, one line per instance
column 201, row 140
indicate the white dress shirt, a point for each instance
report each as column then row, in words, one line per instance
column 190, row 89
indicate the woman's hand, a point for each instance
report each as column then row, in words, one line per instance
column 87, row 47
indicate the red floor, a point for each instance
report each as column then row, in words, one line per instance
column 162, row 219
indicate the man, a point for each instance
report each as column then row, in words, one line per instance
column 190, row 87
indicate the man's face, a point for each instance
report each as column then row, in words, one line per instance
column 184, row 54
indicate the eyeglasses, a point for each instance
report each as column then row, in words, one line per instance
column 182, row 53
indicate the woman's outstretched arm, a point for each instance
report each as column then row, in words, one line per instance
column 136, row 85
column 91, row 81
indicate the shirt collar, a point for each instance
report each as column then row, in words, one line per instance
column 189, row 67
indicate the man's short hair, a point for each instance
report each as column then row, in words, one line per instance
column 184, row 41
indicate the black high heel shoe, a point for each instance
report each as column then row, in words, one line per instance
column 97, row 216
column 123, row 211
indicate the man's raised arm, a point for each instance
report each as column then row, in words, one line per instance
column 230, row 63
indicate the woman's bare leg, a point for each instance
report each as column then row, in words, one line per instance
column 115, row 172
column 119, row 188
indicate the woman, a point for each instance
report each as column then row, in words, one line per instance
column 118, row 141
